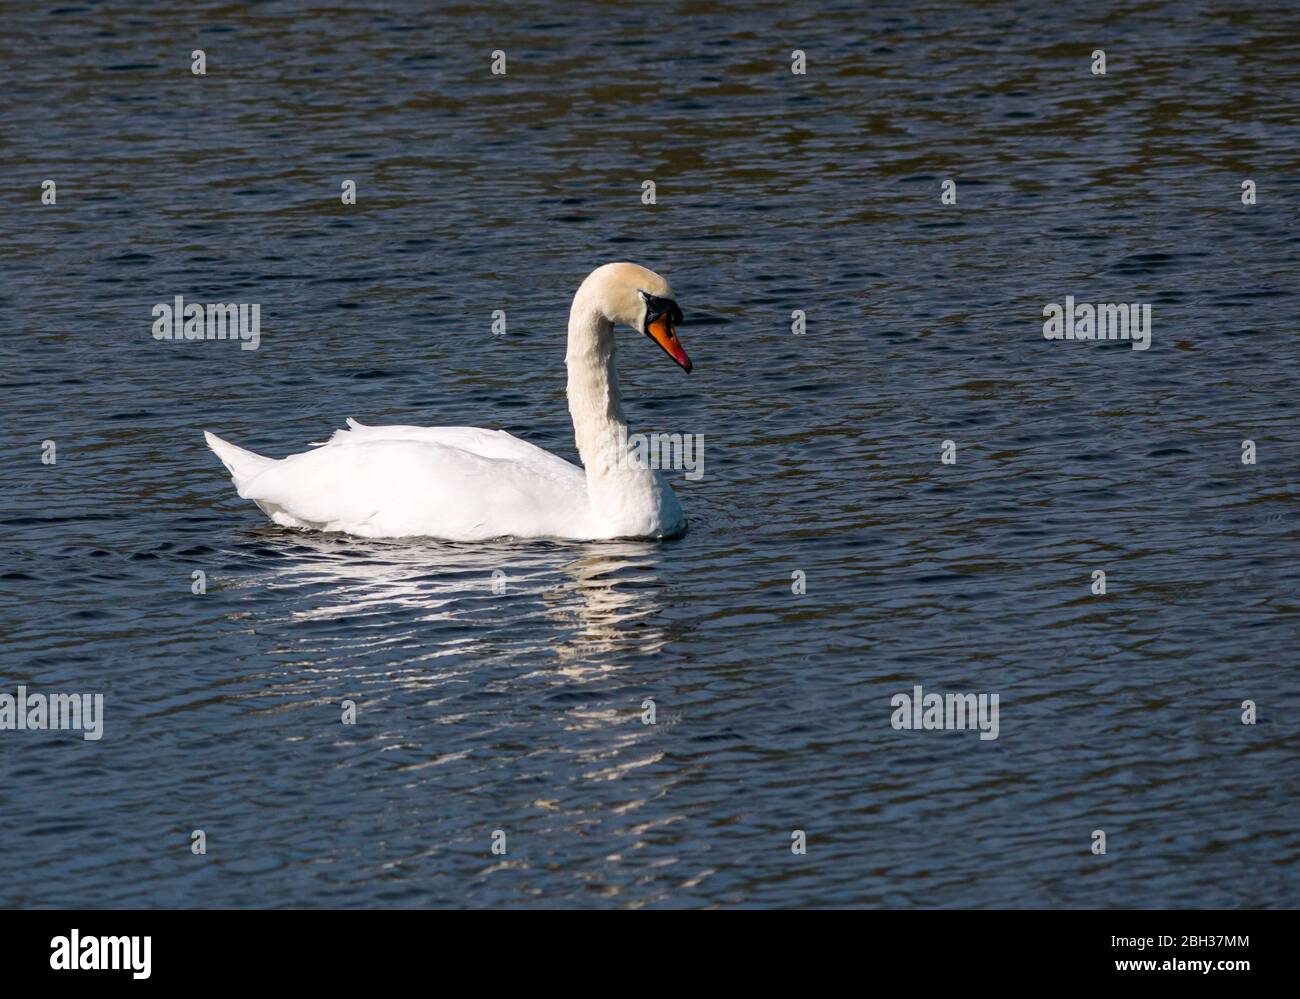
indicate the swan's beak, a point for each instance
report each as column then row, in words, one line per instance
column 663, row 331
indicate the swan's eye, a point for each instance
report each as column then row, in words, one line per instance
column 657, row 307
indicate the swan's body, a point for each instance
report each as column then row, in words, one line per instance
column 467, row 484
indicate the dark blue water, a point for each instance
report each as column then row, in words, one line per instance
column 522, row 711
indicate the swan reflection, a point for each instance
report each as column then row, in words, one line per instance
column 579, row 610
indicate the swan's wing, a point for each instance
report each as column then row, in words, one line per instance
column 475, row 440
column 375, row 482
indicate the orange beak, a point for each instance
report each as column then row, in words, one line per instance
column 662, row 331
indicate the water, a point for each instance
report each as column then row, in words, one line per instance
column 522, row 712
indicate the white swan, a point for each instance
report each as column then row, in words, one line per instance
column 467, row 484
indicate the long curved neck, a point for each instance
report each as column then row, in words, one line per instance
column 595, row 405
column 626, row 498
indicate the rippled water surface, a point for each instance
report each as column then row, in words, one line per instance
column 522, row 711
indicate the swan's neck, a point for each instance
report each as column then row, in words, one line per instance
column 594, row 400
column 626, row 499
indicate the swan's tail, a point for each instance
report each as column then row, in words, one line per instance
column 244, row 465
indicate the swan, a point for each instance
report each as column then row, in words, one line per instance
column 468, row 484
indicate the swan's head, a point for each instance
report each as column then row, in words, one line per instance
column 638, row 297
